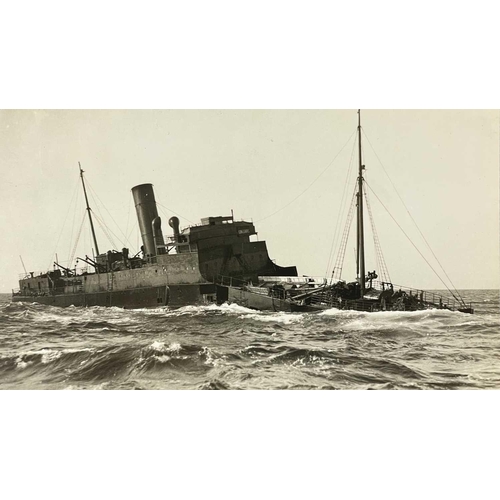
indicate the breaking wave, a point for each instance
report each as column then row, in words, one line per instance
column 232, row 347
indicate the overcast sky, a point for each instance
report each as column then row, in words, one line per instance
column 444, row 164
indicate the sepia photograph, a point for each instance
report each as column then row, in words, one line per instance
column 249, row 250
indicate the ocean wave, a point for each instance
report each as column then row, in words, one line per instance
column 44, row 356
column 230, row 309
column 214, row 385
column 431, row 321
column 232, row 347
column 176, row 356
column 210, row 357
column 158, row 346
column 391, row 314
column 279, row 317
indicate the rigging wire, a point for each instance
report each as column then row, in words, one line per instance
column 134, row 226
column 339, row 261
column 165, row 214
column 128, row 219
column 411, row 217
column 104, row 226
column 73, row 223
column 92, row 192
column 64, row 223
column 336, row 232
column 416, row 248
column 70, row 262
column 311, row 184
column 384, row 272
column 105, row 230
column 132, row 230
column 170, row 210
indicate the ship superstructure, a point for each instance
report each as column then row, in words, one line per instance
column 178, row 271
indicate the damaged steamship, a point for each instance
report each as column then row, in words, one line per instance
column 217, row 262
column 177, row 272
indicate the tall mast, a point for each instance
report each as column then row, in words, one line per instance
column 89, row 211
column 361, row 237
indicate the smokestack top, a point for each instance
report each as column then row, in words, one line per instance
column 141, row 186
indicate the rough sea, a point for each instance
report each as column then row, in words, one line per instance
column 230, row 347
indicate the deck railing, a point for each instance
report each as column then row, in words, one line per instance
column 423, row 296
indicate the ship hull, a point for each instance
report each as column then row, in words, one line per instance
column 136, row 298
column 251, row 300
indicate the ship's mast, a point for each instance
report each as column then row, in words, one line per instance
column 89, row 211
column 361, row 237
